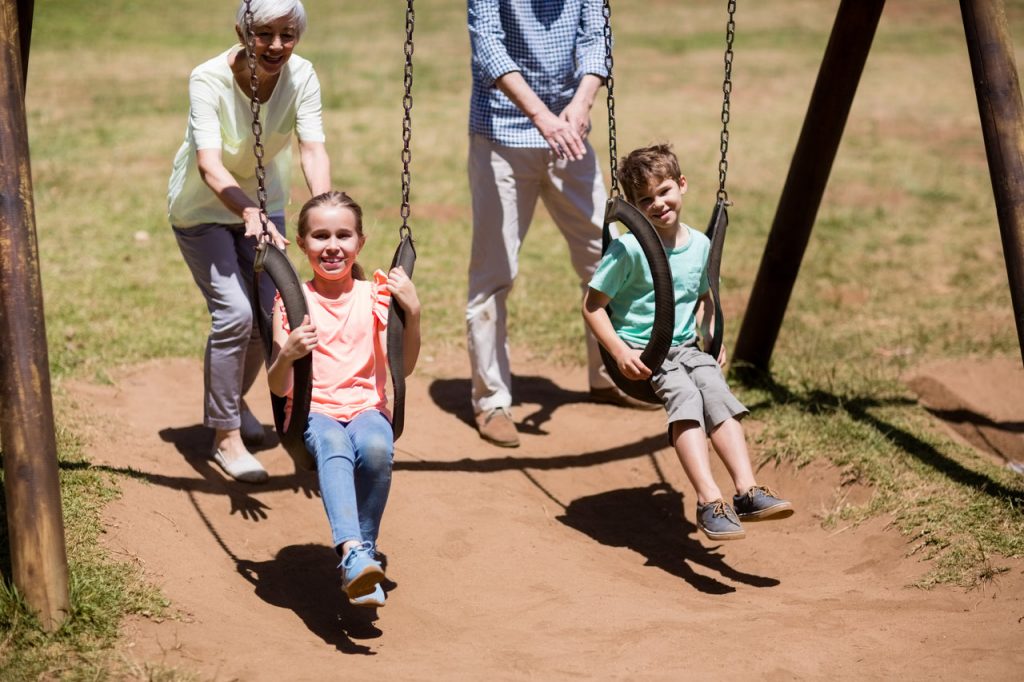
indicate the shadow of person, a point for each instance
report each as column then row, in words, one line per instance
column 452, row 396
column 650, row 521
column 305, row 580
column 193, row 443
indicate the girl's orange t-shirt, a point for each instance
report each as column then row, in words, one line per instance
column 350, row 363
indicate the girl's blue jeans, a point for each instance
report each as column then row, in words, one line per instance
column 353, row 461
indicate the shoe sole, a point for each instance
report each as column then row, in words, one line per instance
column 362, row 602
column 364, row 583
column 727, row 535
column 783, row 510
column 367, row 604
column 501, row 443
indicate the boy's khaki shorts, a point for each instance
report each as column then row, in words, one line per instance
column 691, row 385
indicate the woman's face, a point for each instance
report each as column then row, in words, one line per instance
column 275, row 41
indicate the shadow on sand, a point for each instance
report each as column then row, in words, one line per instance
column 650, row 521
column 297, row 578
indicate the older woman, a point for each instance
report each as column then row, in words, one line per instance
column 213, row 209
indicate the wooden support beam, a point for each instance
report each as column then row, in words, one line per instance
column 838, row 77
column 31, row 482
column 1002, row 122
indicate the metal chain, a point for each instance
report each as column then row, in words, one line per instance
column 723, row 163
column 610, row 87
column 254, row 106
column 410, row 19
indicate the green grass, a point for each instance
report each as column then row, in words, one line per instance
column 904, row 265
column 101, row 591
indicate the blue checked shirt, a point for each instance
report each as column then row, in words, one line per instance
column 552, row 43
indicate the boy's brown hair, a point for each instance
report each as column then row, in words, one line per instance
column 641, row 166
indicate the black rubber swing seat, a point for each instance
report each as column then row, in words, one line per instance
column 405, row 256
column 717, row 226
column 280, row 269
column 286, row 279
column 653, row 355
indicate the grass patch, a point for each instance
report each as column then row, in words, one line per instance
column 102, row 590
column 905, row 262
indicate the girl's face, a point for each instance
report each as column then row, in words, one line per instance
column 275, row 42
column 332, row 241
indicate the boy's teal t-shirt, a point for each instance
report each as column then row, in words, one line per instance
column 625, row 277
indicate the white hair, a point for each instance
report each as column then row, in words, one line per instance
column 266, row 11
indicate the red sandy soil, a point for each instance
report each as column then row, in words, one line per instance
column 574, row 556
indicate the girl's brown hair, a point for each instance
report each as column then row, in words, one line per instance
column 340, row 200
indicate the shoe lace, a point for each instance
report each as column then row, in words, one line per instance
column 350, row 557
column 494, row 413
column 719, row 509
column 763, row 488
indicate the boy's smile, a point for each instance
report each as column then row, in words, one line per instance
column 661, row 201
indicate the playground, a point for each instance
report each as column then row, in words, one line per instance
column 555, row 561
column 892, row 416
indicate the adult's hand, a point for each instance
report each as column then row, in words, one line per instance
column 251, row 216
column 577, row 115
column 562, row 134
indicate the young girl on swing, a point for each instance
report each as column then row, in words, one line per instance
column 349, row 430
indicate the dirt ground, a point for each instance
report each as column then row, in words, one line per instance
column 574, row 556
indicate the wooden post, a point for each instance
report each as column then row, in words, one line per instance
column 1002, row 122
column 841, row 68
column 31, row 482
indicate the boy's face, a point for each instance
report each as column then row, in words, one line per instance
column 661, row 201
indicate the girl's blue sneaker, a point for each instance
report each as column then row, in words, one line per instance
column 761, row 503
column 718, row 521
column 360, row 571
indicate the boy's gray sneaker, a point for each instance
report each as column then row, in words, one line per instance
column 761, row 503
column 718, row 521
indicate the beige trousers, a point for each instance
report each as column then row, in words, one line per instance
column 506, row 183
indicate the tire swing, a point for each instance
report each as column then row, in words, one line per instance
column 274, row 262
column 621, row 211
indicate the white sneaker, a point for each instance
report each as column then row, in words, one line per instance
column 245, row 468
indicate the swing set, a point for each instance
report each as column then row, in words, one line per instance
column 276, row 265
column 621, row 211
column 32, row 490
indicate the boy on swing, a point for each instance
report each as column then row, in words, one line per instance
column 619, row 309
